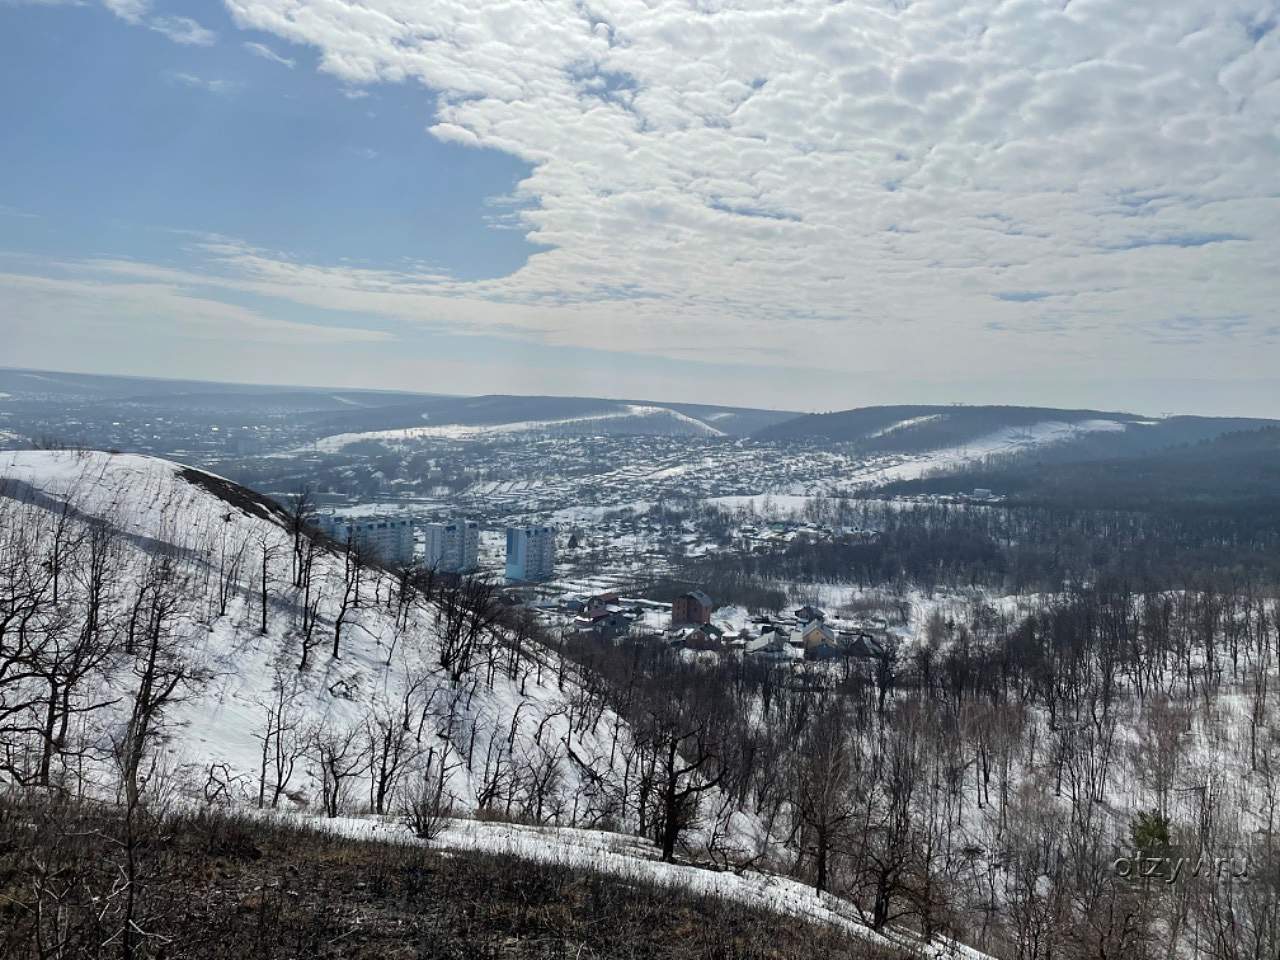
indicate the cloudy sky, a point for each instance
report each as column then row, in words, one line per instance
column 811, row 205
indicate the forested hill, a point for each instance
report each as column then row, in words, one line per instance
column 1071, row 433
column 1235, row 475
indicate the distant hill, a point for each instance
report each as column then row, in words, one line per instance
column 435, row 411
column 190, row 395
column 1236, row 473
column 913, row 429
column 469, row 417
column 326, row 412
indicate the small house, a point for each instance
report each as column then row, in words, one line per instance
column 815, row 634
column 808, row 613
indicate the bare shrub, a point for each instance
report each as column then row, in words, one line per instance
column 427, row 805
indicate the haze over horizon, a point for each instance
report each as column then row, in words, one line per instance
column 812, row 206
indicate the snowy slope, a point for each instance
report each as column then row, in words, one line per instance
column 915, row 428
column 490, row 717
column 1006, row 441
column 630, row 418
column 619, row 855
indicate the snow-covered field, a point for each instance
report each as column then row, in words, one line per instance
column 1007, row 441
column 473, row 431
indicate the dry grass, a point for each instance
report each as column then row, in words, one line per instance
column 221, row 886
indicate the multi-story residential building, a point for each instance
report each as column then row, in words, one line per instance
column 531, row 553
column 433, row 545
column 692, row 607
column 388, row 539
column 452, row 547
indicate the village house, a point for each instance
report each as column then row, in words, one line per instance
column 603, row 623
column 861, row 645
column 819, row 641
column 705, row 636
column 774, row 644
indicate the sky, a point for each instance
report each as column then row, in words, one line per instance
column 800, row 205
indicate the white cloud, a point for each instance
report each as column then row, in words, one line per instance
column 183, row 30
column 84, row 298
column 131, row 10
column 266, row 53
column 978, row 186
column 776, row 176
column 212, row 85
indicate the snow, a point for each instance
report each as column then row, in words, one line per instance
column 731, row 619
column 145, row 497
column 474, row 431
column 375, row 508
column 523, row 719
column 633, row 858
column 905, row 424
column 586, row 514
column 1008, row 440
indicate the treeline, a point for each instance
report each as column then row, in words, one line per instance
column 1008, row 548
column 1221, row 490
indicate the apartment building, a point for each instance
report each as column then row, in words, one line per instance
column 531, row 553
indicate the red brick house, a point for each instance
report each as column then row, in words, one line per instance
column 692, row 607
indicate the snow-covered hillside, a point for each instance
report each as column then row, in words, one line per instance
column 917, row 429
column 1004, row 442
column 515, row 728
column 336, row 695
column 629, row 418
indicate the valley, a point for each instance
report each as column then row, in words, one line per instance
column 923, row 698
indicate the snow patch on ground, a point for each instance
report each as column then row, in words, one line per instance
column 1009, row 440
column 905, row 424
column 628, row 857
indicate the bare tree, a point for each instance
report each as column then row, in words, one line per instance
column 826, row 774
column 164, row 672
column 466, row 613
column 342, row 755
column 391, row 748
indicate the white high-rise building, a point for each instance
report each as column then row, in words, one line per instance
column 531, row 553
column 389, row 539
column 452, row 547
column 433, row 545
